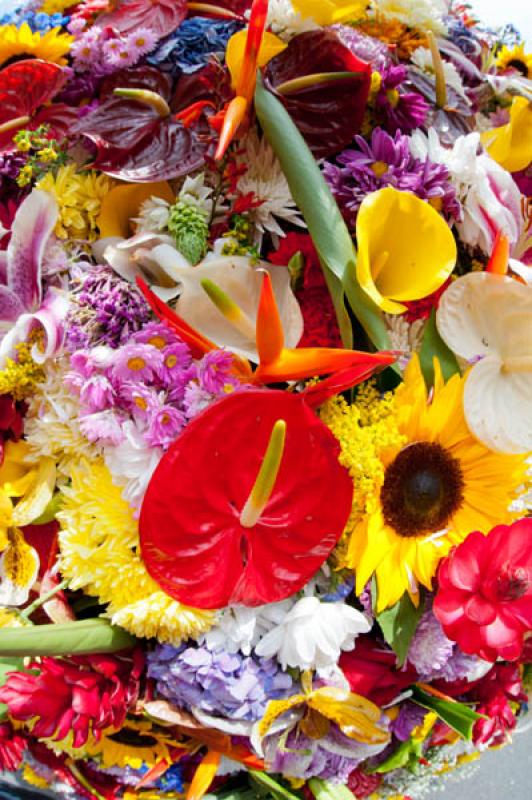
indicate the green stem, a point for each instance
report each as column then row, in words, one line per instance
column 437, row 63
column 315, row 80
column 28, row 611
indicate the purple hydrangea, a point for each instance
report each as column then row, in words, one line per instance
column 228, row 685
column 107, row 310
column 434, row 656
column 387, row 161
column 396, row 107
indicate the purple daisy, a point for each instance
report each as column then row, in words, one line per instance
column 157, row 334
column 396, row 107
column 164, row 424
column 137, row 362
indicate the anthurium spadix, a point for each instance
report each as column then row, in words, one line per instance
column 406, row 250
column 486, row 318
column 24, row 306
column 247, row 503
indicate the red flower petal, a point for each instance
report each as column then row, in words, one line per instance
column 192, row 541
column 479, row 610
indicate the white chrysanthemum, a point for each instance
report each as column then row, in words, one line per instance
column 404, row 336
column 265, row 179
column 490, row 197
column 421, row 14
column 285, row 21
column 195, row 193
column 51, row 425
column 313, row 634
column 239, row 628
column 132, row 463
column 153, row 216
column 422, row 58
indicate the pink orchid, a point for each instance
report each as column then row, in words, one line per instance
column 24, row 304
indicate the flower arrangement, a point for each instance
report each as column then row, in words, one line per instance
column 265, row 396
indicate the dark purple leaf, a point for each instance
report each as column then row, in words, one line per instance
column 137, row 78
column 330, row 114
column 119, row 123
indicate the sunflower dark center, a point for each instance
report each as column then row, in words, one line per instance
column 520, row 66
column 422, row 489
column 133, row 738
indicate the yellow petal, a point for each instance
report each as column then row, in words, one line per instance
column 511, row 144
column 355, row 715
column 327, row 12
column 271, row 45
column 14, row 468
column 405, row 248
column 38, row 494
column 277, row 708
column 123, row 204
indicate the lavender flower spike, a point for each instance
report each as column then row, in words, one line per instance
column 22, row 304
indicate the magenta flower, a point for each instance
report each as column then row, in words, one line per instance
column 156, row 334
column 97, row 393
column 397, row 108
column 137, row 362
column 214, row 372
column 164, row 425
column 176, row 361
column 24, row 305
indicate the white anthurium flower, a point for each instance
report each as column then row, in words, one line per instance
column 313, row 634
column 240, row 280
column 487, row 320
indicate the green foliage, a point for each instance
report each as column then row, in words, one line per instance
column 398, row 625
column 456, row 715
column 433, row 347
column 72, row 638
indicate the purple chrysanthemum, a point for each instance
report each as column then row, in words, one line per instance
column 396, row 107
column 229, row 685
column 387, row 161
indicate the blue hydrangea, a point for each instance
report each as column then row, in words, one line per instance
column 189, row 47
column 229, row 685
column 38, row 21
column 172, row 780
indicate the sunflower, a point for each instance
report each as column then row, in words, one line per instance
column 138, row 743
column 515, row 58
column 99, row 544
column 428, row 485
column 22, row 42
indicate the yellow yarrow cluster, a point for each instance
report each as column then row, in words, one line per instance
column 79, row 198
column 99, row 544
column 391, row 31
column 21, row 41
column 364, row 430
column 18, row 378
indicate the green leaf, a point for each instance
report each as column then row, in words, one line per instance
column 407, row 755
column 398, row 625
column 432, row 347
column 456, row 715
column 273, row 787
column 323, row 790
column 72, row 638
column 324, row 221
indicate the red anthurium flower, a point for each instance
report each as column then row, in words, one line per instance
column 161, row 16
column 247, row 503
column 25, row 87
column 371, row 671
column 137, row 136
column 324, row 88
column 484, row 600
column 82, row 694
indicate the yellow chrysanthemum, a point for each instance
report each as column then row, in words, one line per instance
column 422, row 483
column 50, row 46
column 99, row 544
column 515, row 58
column 79, row 197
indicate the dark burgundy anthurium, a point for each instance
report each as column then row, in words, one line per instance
column 324, row 88
column 211, row 537
column 137, row 137
column 25, row 87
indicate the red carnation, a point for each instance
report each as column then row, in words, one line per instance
column 83, row 694
column 370, row 671
column 12, row 747
column 320, row 326
column 484, row 600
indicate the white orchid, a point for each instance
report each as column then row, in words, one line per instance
column 313, row 634
column 487, row 319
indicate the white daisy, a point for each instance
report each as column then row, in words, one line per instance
column 422, row 14
column 239, row 628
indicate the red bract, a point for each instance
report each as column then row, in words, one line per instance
column 82, row 694
column 484, row 600
column 371, row 672
column 12, row 747
column 329, row 112
column 25, row 87
column 133, row 141
column 193, row 543
column 161, row 16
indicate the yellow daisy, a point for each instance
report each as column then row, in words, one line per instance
column 434, row 485
column 99, row 544
column 515, row 58
column 50, row 46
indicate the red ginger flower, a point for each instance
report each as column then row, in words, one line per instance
column 12, row 747
column 82, row 694
column 484, row 600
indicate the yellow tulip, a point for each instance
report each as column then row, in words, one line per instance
column 123, row 203
column 406, row 250
column 327, row 12
column 511, row 144
column 270, row 46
